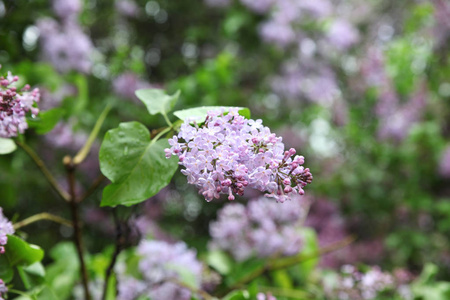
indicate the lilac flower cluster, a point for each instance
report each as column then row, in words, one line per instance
column 161, row 265
column 64, row 44
column 127, row 83
column 229, row 153
column 6, row 228
column 444, row 166
column 14, row 105
column 3, row 289
column 352, row 284
column 264, row 228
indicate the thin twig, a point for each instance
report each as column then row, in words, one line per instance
column 193, row 290
column 118, row 247
column 81, row 155
column 70, row 167
column 40, row 164
column 92, row 188
column 42, row 216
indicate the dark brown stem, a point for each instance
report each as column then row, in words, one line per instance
column 118, row 247
column 70, row 167
column 92, row 188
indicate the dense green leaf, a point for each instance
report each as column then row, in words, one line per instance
column 46, row 120
column 7, row 146
column 157, row 101
column 20, row 252
column 198, row 114
column 136, row 165
column 6, row 271
column 220, row 261
column 237, row 295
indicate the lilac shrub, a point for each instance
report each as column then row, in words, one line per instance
column 229, row 153
column 3, row 289
column 14, row 106
column 161, row 265
column 264, row 228
column 352, row 284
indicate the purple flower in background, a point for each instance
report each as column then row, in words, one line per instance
column 127, row 8
column 126, row 84
column 67, row 9
column 161, row 264
column 262, row 296
column 65, row 46
column 352, row 284
column 229, row 153
column 342, row 34
column 6, row 228
column 3, row 289
column 51, row 100
column 14, row 105
column 259, row 6
column 444, row 166
column 263, row 228
column 278, row 32
column 64, row 136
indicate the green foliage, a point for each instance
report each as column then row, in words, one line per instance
column 136, row 165
column 21, row 253
column 7, row 146
column 157, row 101
column 46, row 120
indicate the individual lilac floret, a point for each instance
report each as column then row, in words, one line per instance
column 264, row 228
column 162, row 265
column 6, row 228
column 228, row 153
column 352, row 284
column 14, row 105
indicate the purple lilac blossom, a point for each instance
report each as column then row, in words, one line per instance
column 126, row 84
column 278, row 32
column 14, row 105
column 3, row 289
column 6, row 228
column 66, row 9
column 65, row 46
column 352, row 284
column 229, row 153
column 444, row 166
column 258, row 6
column 262, row 296
column 264, row 228
column 127, row 8
column 161, row 264
column 342, row 34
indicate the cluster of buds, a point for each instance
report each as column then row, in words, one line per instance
column 14, row 105
column 228, row 153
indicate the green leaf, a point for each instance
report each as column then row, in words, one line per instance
column 7, row 146
column 157, row 101
column 46, row 120
column 198, row 114
column 220, row 261
column 136, row 165
column 20, row 252
column 6, row 271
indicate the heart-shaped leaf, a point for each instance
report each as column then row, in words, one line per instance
column 20, row 252
column 136, row 165
column 157, row 101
